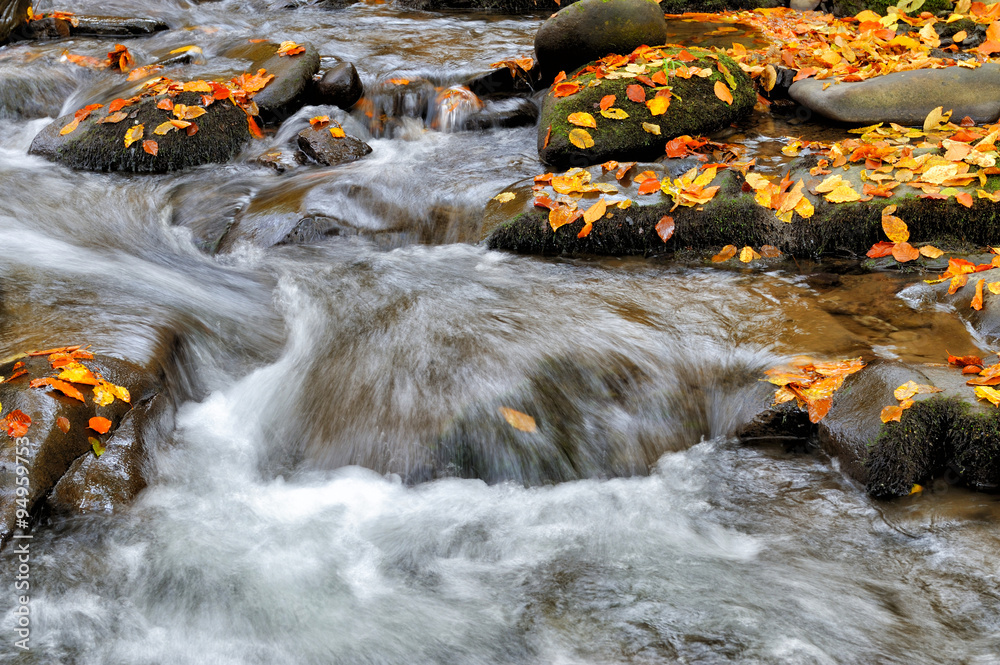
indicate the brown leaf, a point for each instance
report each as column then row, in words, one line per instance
column 727, row 252
column 518, row 420
column 665, row 228
column 63, row 423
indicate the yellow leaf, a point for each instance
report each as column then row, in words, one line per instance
column 517, row 420
column 829, row 184
column 804, row 208
column 183, row 112
column 658, row 105
column 936, row 118
column 994, row 288
column 614, row 114
column 989, row 394
column 595, row 212
column 337, row 132
column 651, row 128
column 916, row 489
column 96, row 445
column 891, row 413
column 505, row 197
column 911, row 388
column 582, row 120
column 895, row 228
column 726, row 253
column 133, row 134
column 70, row 127
column 77, row 373
column 581, row 138
column 747, row 254
column 164, row 128
column 931, row 252
column 844, row 193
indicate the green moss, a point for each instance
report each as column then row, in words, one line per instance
column 694, row 109
column 975, row 444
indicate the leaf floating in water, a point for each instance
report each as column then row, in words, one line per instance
column 99, row 425
column 505, row 197
column 517, row 420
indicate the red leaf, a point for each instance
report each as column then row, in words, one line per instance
column 665, row 228
column 636, row 93
column 964, row 198
column 16, row 423
column 254, row 129
column 880, row 249
column 649, row 186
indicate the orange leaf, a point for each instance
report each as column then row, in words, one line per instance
column 658, row 105
column 727, row 252
column 70, row 127
column 319, row 121
column 649, row 186
column 636, row 93
column 152, row 147
column 337, row 132
column 880, row 249
column 607, row 101
column 65, row 388
column 565, row 89
column 931, row 252
column 560, row 77
column 562, row 215
column 548, row 136
column 16, row 423
column 895, row 228
column 665, row 228
column 99, row 425
column 723, row 93
column 685, row 56
column 977, row 300
column 595, row 212
column 904, row 251
column 290, row 49
column 891, row 413
column 254, row 129
column 517, row 420
column 965, row 198
column 770, row 251
column 581, row 138
column 112, row 118
column 63, row 423
column 581, row 119
column 963, row 361
column 77, row 373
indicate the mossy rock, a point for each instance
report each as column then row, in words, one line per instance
column 734, row 217
column 694, row 110
column 94, row 146
column 591, row 29
column 854, row 7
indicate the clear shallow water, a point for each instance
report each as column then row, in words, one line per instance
column 262, row 540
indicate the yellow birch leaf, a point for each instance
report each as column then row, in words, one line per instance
column 931, row 252
column 505, row 197
column 595, row 212
column 614, row 114
column 581, row 138
column 133, row 134
column 844, row 193
column 805, row 208
column 994, row 288
column 747, row 254
column 651, row 128
column 582, row 120
column 989, row 394
column 164, row 128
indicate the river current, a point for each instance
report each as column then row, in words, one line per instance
column 282, row 523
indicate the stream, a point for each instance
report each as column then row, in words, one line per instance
column 291, row 517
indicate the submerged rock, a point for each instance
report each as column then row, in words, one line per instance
column 694, row 109
column 340, row 86
column 292, row 77
column 322, row 147
column 591, row 29
column 906, row 97
column 95, row 146
column 46, row 452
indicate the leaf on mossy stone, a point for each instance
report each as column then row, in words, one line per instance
column 607, row 101
column 658, row 105
column 904, row 252
column 581, row 119
column 748, row 254
column 891, row 413
column 992, row 395
column 133, row 134
column 726, row 253
column 665, row 228
column 843, row 193
column 932, row 252
column 581, row 138
column 614, row 114
column 722, row 92
column 651, row 128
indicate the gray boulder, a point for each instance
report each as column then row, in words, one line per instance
column 906, row 97
column 292, row 77
column 321, row 146
column 340, row 86
column 591, row 29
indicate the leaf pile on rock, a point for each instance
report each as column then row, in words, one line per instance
column 810, row 383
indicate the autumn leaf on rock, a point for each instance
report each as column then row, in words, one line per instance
column 337, row 132
column 904, row 252
column 931, row 252
column 505, row 197
column 665, row 228
column 726, row 253
column 254, row 129
column 99, row 425
column 565, row 89
column 812, row 384
column 911, row 388
column 977, row 300
column 894, row 227
column 151, row 147
column 843, row 193
column 636, row 93
column 319, row 121
column 723, row 93
column 658, row 105
column 67, row 389
column 290, row 48
column 70, row 127
column 614, row 114
column 747, row 254
column 989, row 394
column 184, row 112
column 581, row 138
column 133, row 134
column 891, row 413
column 78, row 373
column 936, row 119
column 95, row 443
column 16, row 423
column 113, row 118
column 518, row 420
column 651, row 128
column 607, row 101
column 582, row 120
column 63, row 424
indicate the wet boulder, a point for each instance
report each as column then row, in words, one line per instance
column 12, row 14
column 323, row 147
column 34, row 90
column 906, row 97
column 293, row 76
column 42, row 454
column 496, row 6
column 340, row 86
column 635, row 133
column 591, row 29
column 986, row 321
column 100, row 146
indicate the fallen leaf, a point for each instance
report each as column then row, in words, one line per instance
column 16, row 423
column 595, row 212
column 636, row 93
column 931, row 252
column 99, row 425
column 989, row 394
column 843, row 193
column 78, row 373
column 337, row 132
column 517, row 420
column 649, row 186
column 965, row 198
column 904, row 252
column 977, row 300
column 254, row 129
column 67, row 389
column 290, row 48
column 607, row 101
column 651, row 128
column 505, row 197
column 911, row 388
column 936, row 118
column 747, row 254
column 891, row 413
column 963, row 361
column 152, row 147
column 614, row 114
column 319, row 121
column 723, row 93
column 895, row 228
column 581, row 138
column 63, row 423
column 770, row 251
column 665, row 228
column 565, row 89
column 96, row 445
column 657, row 105
column 581, row 119
column 726, row 253
column 133, row 134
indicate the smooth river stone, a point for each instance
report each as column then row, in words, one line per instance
column 906, row 97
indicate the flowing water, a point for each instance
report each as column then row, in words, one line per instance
column 284, row 522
